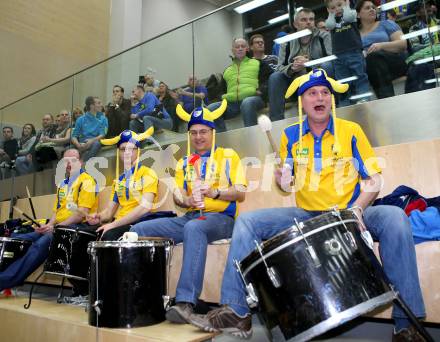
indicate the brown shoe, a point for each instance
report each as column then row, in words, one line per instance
column 224, row 320
column 179, row 313
column 408, row 335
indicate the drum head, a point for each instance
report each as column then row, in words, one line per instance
column 291, row 234
column 157, row 242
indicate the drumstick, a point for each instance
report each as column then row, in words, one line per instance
column 266, row 126
column 27, row 216
column 30, row 202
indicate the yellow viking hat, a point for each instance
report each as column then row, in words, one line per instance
column 128, row 136
column 316, row 77
column 202, row 116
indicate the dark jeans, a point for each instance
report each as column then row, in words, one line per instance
column 382, row 68
column 417, row 75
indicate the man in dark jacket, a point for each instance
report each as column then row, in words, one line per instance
column 292, row 58
column 118, row 112
column 8, row 151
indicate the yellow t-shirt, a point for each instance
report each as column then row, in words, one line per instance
column 128, row 192
column 80, row 191
column 322, row 179
column 226, row 170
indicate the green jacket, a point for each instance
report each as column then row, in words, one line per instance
column 241, row 79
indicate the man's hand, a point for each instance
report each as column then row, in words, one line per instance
column 283, row 177
column 2, row 151
column 358, row 211
column 104, row 228
column 93, row 219
column 298, row 63
column 207, row 191
column 29, row 157
column 44, row 229
column 133, row 116
column 196, row 200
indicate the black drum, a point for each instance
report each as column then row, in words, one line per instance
column 12, row 249
column 68, row 253
column 313, row 277
column 128, row 282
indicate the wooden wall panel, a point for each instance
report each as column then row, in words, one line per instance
column 46, row 40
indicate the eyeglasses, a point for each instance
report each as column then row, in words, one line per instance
column 201, row 132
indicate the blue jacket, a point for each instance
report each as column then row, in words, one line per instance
column 146, row 106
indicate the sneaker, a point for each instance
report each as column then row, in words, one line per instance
column 224, row 320
column 408, row 335
column 179, row 313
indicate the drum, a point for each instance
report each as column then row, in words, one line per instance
column 313, row 277
column 12, row 249
column 68, row 253
column 128, row 282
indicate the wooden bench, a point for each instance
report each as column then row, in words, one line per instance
column 414, row 164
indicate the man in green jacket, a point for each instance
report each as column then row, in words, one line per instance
column 246, row 85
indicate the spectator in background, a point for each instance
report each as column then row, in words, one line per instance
column 392, row 15
column 285, row 30
column 168, row 100
column 57, row 120
column 292, row 58
column 194, row 95
column 150, row 83
column 148, row 112
column 33, row 160
column 27, row 140
column 347, row 46
column 246, row 81
column 424, row 19
column 90, row 129
column 118, row 112
column 422, row 46
column 256, row 43
column 8, row 151
column 383, row 48
column 61, row 140
column 76, row 113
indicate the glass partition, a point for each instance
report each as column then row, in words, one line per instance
column 192, row 59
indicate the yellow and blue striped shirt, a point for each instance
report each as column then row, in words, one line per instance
column 322, row 179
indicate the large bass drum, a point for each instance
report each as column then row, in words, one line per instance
column 128, row 282
column 313, row 277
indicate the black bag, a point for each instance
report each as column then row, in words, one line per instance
column 157, row 112
column 45, row 154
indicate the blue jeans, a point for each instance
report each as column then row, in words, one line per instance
column 23, row 166
column 195, row 234
column 148, row 121
column 277, row 87
column 352, row 63
column 92, row 151
column 248, row 108
column 387, row 224
column 20, row 269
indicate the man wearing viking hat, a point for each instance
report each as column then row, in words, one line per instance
column 209, row 183
column 328, row 158
column 78, row 190
column 134, row 191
